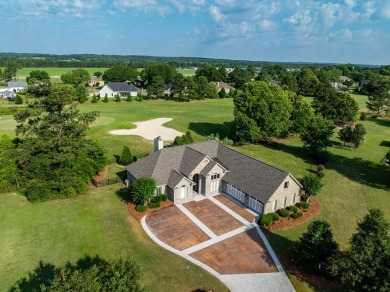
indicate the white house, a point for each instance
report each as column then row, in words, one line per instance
column 16, row 86
column 118, row 88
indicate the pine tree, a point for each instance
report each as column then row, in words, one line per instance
column 18, row 99
column 94, row 99
column 126, row 157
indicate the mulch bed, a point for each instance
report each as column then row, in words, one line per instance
column 101, row 174
column 286, row 223
column 138, row 215
column 305, row 275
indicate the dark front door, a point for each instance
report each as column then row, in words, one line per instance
column 195, row 179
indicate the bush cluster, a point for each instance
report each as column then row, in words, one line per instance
column 296, row 215
column 154, row 205
column 284, row 213
column 302, row 205
column 164, row 197
column 156, row 199
column 292, row 209
column 141, row 208
column 267, row 219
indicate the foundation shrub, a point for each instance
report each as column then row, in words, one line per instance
column 302, row 205
column 284, row 213
column 141, row 208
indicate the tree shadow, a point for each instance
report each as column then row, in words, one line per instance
column 122, row 174
column 45, row 273
column 356, row 169
column 381, row 121
column 124, row 194
column 206, row 129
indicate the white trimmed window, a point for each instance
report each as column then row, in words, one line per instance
column 293, row 198
column 274, row 203
column 284, row 201
column 183, row 192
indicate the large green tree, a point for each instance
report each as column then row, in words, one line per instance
column 211, row 73
column 316, row 134
column 55, row 158
column 142, row 190
column 120, row 73
column 262, row 111
column 301, row 112
column 365, row 264
column 75, row 77
column 340, row 107
column 239, row 77
column 315, row 246
column 37, row 75
column 156, row 87
column 165, row 71
column 307, row 82
column 378, row 92
column 9, row 173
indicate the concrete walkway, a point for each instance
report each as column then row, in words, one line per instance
column 235, row 282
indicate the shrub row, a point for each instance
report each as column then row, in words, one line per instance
column 141, row 208
column 302, row 205
column 267, row 219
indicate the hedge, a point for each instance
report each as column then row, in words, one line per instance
column 302, row 205
column 141, row 208
column 266, row 220
column 283, row 212
column 292, row 209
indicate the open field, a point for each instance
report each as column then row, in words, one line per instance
column 355, row 180
column 58, row 71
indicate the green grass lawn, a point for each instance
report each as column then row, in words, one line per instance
column 355, row 180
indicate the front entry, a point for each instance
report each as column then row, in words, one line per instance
column 195, row 179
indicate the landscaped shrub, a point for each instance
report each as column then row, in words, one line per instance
column 302, row 205
column 274, row 216
column 292, row 209
column 156, row 199
column 164, row 197
column 141, row 208
column 363, row 116
column 154, row 205
column 320, row 171
column 266, row 220
column 284, row 213
column 296, row 215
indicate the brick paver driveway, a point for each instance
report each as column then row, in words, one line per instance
column 235, row 246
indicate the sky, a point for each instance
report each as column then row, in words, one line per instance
column 335, row 31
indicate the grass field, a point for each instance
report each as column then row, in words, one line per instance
column 355, row 180
column 58, row 71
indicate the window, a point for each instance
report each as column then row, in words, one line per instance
column 183, row 192
column 293, row 198
column 214, row 186
column 286, row 185
column 159, row 191
column 274, row 203
column 284, row 201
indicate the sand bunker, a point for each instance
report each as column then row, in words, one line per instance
column 151, row 129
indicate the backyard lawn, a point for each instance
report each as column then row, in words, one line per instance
column 98, row 223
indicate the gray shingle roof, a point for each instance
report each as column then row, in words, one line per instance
column 121, row 87
column 255, row 178
column 174, row 179
column 12, row 84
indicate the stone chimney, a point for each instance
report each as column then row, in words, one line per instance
column 158, row 143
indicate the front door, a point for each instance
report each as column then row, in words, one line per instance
column 195, row 179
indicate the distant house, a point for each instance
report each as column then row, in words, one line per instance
column 339, row 86
column 7, row 94
column 118, row 88
column 94, row 81
column 168, row 89
column 273, row 81
column 138, row 83
column 16, row 86
column 209, row 168
column 219, row 85
column 345, row 78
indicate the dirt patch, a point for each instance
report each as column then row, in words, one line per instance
column 244, row 253
column 286, row 223
column 138, row 215
column 171, row 226
column 101, row 174
column 214, row 217
column 305, row 275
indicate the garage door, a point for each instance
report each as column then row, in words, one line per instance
column 255, row 205
column 235, row 193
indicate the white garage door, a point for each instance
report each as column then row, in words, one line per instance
column 235, row 193
column 255, row 205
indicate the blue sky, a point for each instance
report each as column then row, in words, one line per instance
column 342, row 31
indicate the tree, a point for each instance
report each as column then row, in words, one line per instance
column 18, row 99
column 105, row 99
column 340, row 107
column 75, row 77
column 307, row 82
column 222, row 93
column 81, row 93
column 117, row 98
column 378, row 95
column 354, row 135
column 54, row 157
column 262, row 111
column 9, row 173
column 94, row 99
column 98, row 74
column 365, row 264
column 301, row 112
column 316, row 246
column 288, row 81
column 88, row 274
column 239, row 77
column 129, row 98
column 211, row 91
column 143, row 189
column 156, row 87
column 316, row 134
column 165, row 71
column 11, row 70
column 179, row 84
column 126, row 157
column 311, row 184
column 183, row 140
column 120, row 73
column 211, row 73
column 37, row 75
column 202, row 87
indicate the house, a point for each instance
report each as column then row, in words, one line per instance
column 8, row 94
column 219, row 85
column 118, row 88
column 95, row 81
column 345, row 78
column 209, row 168
column 339, row 86
column 16, row 86
column 168, row 89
